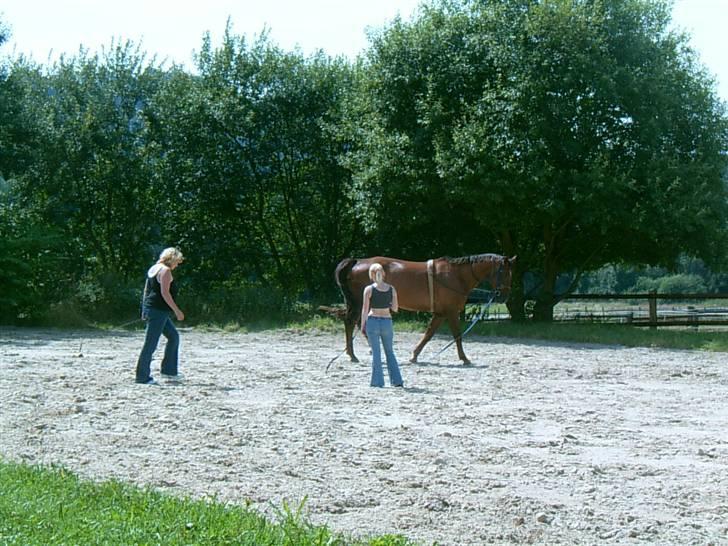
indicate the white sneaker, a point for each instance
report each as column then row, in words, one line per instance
column 178, row 377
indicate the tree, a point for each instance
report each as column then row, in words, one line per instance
column 87, row 173
column 574, row 133
column 261, row 188
column 28, row 249
column 4, row 32
column 409, row 97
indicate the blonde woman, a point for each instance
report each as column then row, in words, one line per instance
column 157, row 305
column 380, row 299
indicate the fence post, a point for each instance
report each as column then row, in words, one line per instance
column 653, row 309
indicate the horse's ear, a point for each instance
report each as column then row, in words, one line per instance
column 513, row 259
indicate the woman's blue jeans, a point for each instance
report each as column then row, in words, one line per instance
column 158, row 323
column 380, row 329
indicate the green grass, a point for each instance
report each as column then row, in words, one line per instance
column 707, row 338
column 46, row 506
column 610, row 334
column 704, row 338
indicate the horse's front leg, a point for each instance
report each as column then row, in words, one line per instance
column 454, row 322
column 431, row 329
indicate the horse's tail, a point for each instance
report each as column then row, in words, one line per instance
column 342, row 277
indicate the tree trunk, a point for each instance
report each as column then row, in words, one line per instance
column 543, row 310
column 516, row 301
column 515, row 304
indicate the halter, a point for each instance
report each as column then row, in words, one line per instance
column 496, row 287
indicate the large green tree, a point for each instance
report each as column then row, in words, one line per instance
column 87, row 171
column 573, row 133
column 29, row 248
column 250, row 164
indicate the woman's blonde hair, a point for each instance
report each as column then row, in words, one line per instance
column 376, row 272
column 171, row 256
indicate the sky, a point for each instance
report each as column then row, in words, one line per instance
column 173, row 29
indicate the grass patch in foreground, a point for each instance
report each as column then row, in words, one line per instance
column 41, row 506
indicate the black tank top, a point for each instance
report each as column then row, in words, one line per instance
column 381, row 299
column 154, row 297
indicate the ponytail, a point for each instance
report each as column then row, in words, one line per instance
column 376, row 272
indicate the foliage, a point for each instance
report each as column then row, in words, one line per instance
column 4, row 32
column 257, row 196
column 83, row 170
column 575, row 134
column 572, row 133
column 688, row 275
column 29, row 257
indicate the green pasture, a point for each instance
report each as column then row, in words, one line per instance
column 703, row 338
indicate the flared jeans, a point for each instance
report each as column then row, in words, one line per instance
column 380, row 330
column 159, row 323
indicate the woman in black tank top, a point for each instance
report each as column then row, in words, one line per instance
column 158, row 303
column 380, row 299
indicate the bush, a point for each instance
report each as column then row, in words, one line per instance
column 646, row 284
column 251, row 303
column 681, row 284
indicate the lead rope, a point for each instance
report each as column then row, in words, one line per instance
column 478, row 316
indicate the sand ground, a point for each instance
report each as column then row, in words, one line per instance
column 533, row 443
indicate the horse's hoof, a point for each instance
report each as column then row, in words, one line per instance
column 466, row 362
column 413, row 360
column 354, row 359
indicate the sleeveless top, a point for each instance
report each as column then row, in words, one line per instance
column 154, row 297
column 380, row 299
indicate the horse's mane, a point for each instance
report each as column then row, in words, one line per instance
column 474, row 258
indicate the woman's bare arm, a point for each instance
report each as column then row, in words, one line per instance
column 365, row 308
column 165, row 280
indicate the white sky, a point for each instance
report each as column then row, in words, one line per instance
column 172, row 29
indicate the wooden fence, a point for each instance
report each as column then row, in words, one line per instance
column 652, row 315
column 690, row 315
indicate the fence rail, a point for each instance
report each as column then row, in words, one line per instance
column 654, row 316
column 648, row 296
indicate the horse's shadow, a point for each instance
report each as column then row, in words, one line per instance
column 431, row 364
column 416, row 390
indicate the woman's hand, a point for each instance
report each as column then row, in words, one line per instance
column 179, row 314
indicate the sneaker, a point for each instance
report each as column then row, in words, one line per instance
column 150, row 381
column 168, row 377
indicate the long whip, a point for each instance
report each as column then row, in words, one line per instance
column 342, row 352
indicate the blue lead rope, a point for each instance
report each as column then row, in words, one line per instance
column 475, row 320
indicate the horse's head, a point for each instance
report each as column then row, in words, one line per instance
column 504, row 277
column 498, row 271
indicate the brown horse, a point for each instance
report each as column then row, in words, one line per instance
column 440, row 286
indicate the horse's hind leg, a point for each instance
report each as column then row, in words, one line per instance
column 454, row 321
column 349, row 327
column 431, row 329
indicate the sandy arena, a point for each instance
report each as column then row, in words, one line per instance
column 533, row 443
